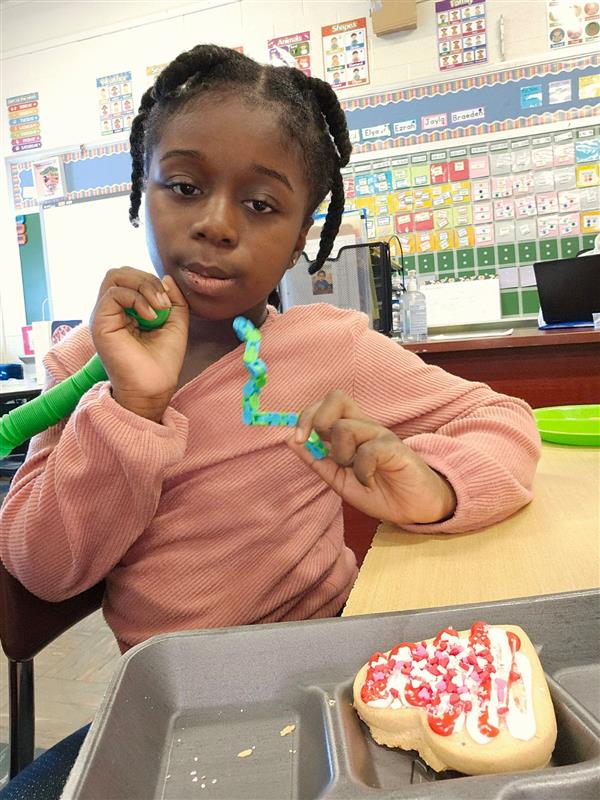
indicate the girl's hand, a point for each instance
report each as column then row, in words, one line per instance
column 143, row 366
column 369, row 467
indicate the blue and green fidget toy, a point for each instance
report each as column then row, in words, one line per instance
column 257, row 369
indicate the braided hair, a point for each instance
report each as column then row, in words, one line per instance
column 309, row 112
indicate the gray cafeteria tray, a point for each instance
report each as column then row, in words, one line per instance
column 180, row 708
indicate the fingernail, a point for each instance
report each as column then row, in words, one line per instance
column 299, row 437
column 153, row 312
column 164, row 299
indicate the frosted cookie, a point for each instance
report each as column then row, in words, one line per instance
column 474, row 701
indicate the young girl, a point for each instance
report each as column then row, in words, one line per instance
column 154, row 483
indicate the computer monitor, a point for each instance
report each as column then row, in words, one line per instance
column 569, row 288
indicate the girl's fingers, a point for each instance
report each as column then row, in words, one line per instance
column 173, row 292
column 148, row 285
column 153, row 291
column 322, row 415
column 371, row 456
column 304, row 424
column 113, row 302
column 326, row 468
column 374, row 455
column 178, row 319
column 359, row 443
column 348, row 435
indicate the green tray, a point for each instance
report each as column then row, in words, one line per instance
column 577, row 425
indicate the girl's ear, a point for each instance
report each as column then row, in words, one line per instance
column 301, row 241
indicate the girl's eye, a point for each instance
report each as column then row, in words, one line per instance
column 260, row 206
column 186, row 189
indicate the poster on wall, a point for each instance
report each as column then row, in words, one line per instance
column 572, row 23
column 291, row 51
column 60, row 328
column 48, row 179
column 24, row 122
column 461, row 33
column 154, row 70
column 345, row 53
column 115, row 102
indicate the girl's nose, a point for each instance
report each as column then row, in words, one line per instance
column 216, row 221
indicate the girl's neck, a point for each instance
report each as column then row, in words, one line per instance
column 208, row 341
column 220, row 332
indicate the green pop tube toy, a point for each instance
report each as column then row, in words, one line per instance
column 37, row 415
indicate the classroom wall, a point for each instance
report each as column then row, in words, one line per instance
column 59, row 49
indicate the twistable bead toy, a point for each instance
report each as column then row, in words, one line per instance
column 257, row 369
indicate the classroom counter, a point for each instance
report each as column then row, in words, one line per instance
column 545, row 368
column 20, row 389
column 551, row 545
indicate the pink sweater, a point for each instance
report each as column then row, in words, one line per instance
column 204, row 522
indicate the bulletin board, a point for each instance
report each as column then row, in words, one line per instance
column 486, row 209
column 493, row 102
column 74, row 273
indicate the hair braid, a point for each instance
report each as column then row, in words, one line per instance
column 338, row 129
column 136, row 147
column 332, row 222
column 334, row 116
column 199, row 61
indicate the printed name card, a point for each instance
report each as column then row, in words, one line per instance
column 522, row 183
column 525, row 206
column 481, row 189
column 504, row 209
column 548, row 227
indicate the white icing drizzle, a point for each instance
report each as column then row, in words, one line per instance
column 520, row 719
column 473, row 725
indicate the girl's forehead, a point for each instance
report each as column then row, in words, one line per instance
column 235, row 128
column 228, row 119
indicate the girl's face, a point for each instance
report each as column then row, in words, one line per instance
column 226, row 207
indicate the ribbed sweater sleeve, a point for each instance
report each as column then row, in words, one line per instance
column 88, row 489
column 485, row 444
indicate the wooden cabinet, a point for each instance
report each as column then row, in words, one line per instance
column 545, row 368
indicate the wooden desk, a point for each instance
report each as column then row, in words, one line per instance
column 545, row 368
column 552, row 545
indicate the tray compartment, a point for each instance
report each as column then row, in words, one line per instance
column 176, row 749
column 204, row 747
column 583, row 683
column 577, row 752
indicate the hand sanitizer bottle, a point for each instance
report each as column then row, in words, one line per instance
column 415, row 311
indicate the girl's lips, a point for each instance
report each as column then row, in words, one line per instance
column 202, row 284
